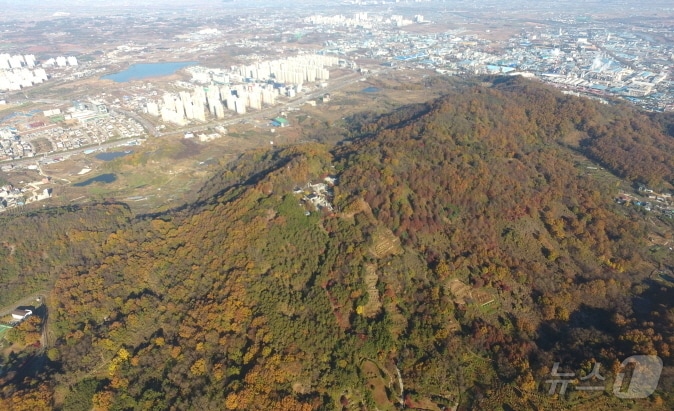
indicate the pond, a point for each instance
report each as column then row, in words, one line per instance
column 370, row 90
column 147, row 70
column 112, row 155
column 103, row 178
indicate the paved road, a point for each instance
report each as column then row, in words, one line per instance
column 149, row 127
column 57, row 154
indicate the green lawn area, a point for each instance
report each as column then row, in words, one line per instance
column 3, row 330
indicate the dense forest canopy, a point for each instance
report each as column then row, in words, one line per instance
column 466, row 249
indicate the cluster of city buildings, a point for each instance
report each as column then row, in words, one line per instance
column 363, row 20
column 11, row 146
column 304, row 68
column 215, row 91
column 596, row 61
column 11, row 196
column 51, row 131
column 181, row 108
column 20, row 71
column 580, row 57
column 586, row 58
column 60, row 61
column 17, row 61
column 17, row 78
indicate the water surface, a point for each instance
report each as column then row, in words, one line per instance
column 103, row 178
column 109, row 156
column 148, row 70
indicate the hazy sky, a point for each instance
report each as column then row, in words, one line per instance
column 40, row 9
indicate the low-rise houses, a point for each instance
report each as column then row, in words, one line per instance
column 11, row 196
column 648, row 200
column 588, row 57
column 28, row 139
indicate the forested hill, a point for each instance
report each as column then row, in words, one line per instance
column 468, row 249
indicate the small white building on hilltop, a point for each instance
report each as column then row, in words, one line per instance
column 19, row 315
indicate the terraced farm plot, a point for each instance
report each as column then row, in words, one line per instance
column 374, row 302
column 385, row 243
column 459, row 290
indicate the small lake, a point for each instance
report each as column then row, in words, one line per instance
column 147, row 70
column 103, row 178
column 370, row 90
column 112, row 155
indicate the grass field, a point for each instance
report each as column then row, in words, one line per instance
column 3, row 330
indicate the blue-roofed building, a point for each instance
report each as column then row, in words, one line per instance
column 280, row 122
column 599, row 87
column 411, row 56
